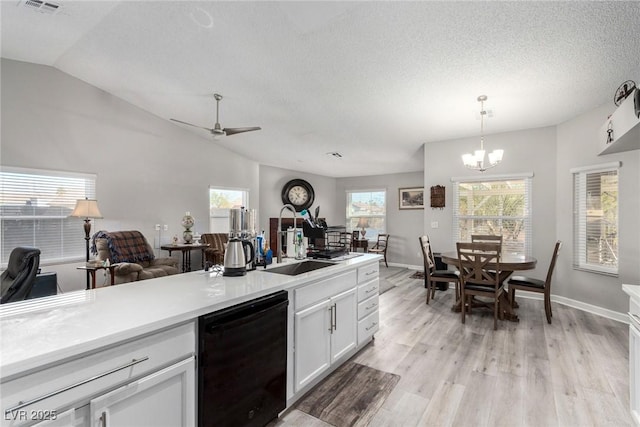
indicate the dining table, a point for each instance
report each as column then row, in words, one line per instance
column 509, row 263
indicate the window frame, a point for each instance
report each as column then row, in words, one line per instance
column 526, row 217
column 37, row 186
column 368, row 236
column 217, row 215
column 580, row 214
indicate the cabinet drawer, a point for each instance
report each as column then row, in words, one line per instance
column 367, row 306
column 368, row 326
column 367, row 272
column 75, row 382
column 368, row 290
column 323, row 289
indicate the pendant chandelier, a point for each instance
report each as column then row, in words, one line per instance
column 476, row 161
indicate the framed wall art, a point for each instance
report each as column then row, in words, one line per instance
column 411, row 198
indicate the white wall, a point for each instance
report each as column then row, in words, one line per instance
column 404, row 226
column 272, row 180
column 150, row 171
column 577, row 146
column 525, row 151
column 550, row 153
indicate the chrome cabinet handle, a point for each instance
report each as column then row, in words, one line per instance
column 371, row 306
column 331, row 319
column 371, row 290
column 103, row 419
column 372, row 326
column 370, row 273
column 335, row 317
column 22, row 404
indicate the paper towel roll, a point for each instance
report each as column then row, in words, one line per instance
column 291, row 250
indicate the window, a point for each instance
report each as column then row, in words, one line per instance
column 220, row 201
column 500, row 206
column 368, row 208
column 595, row 220
column 34, row 211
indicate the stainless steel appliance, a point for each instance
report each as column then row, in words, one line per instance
column 242, row 374
column 235, row 257
column 239, row 257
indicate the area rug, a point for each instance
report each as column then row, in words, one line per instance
column 350, row 396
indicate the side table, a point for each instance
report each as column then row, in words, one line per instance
column 186, row 249
column 91, row 269
column 360, row 243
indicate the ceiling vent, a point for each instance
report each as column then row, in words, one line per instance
column 41, row 6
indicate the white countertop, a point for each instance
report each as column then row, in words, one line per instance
column 38, row 332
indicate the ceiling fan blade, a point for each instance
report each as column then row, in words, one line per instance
column 233, row 131
column 191, row 124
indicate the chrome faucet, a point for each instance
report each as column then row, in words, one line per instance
column 280, row 232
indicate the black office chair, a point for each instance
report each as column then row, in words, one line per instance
column 17, row 280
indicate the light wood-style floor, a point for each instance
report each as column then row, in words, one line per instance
column 574, row 372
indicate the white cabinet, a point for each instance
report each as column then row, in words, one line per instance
column 325, row 326
column 368, row 292
column 74, row 383
column 625, row 125
column 343, row 335
column 164, row 398
column 634, row 372
column 312, row 343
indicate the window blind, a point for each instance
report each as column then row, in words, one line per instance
column 498, row 205
column 596, row 218
column 34, row 211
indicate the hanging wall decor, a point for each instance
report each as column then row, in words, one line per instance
column 437, row 196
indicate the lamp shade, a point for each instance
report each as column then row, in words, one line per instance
column 86, row 208
column 363, row 223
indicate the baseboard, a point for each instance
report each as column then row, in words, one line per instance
column 589, row 308
column 410, row 267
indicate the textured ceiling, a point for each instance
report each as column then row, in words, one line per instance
column 371, row 80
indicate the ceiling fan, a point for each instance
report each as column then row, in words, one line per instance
column 218, row 130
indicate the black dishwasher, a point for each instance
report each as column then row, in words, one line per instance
column 242, row 379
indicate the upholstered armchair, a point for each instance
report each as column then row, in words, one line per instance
column 214, row 254
column 132, row 256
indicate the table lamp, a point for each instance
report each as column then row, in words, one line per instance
column 87, row 209
column 363, row 223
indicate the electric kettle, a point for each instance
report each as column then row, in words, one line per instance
column 235, row 257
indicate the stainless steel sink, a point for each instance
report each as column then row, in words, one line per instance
column 299, row 267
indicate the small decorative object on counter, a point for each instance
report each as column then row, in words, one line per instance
column 175, row 240
column 187, row 223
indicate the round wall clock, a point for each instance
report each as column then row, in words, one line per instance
column 298, row 193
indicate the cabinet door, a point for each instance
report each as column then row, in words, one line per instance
column 344, row 322
column 164, row 398
column 634, row 372
column 312, row 343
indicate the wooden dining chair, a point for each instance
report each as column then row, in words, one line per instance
column 486, row 238
column 431, row 275
column 381, row 246
column 479, row 266
column 536, row 285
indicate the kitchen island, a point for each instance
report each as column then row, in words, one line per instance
column 146, row 332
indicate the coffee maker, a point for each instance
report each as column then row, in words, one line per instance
column 240, row 253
